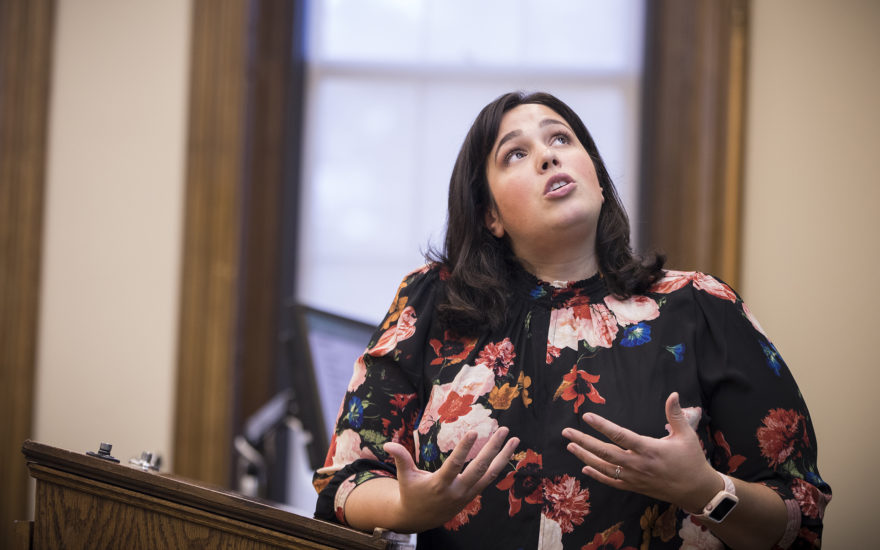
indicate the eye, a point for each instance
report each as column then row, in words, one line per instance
column 561, row 139
column 514, row 154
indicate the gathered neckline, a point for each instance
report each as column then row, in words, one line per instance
column 556, row 292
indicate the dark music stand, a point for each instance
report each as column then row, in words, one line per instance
column 322, row 349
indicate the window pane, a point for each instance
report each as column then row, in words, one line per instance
column 474, row 33
column 592, row 35
column 384, row 127
column 360, row 184
column 595, row 35
column 365, row 30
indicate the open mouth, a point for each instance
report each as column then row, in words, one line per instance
column 558, row 184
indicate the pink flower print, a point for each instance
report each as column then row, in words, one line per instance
column 633, row 310
column 566, row 502
column 499, row 357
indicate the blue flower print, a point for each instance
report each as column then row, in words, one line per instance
column 429, row 451
column 772, row 357
column 814, row 479
column 636, row 335
column 538, row 292
column 677, row 351
column 355, row 415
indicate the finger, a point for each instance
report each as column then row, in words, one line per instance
column 455, row 461
column 498, row 464
column 490, row 461
column 619, row 436
column 593, row 452
column 402, row 459
column 675, row 415
column 606, row 474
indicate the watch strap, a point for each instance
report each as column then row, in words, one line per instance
column 721, row 504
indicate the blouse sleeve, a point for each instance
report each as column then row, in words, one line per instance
column 757, row 418
column 382, row 402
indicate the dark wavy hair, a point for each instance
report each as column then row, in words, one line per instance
column 479, row 264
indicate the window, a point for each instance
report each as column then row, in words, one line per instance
column 392, row 88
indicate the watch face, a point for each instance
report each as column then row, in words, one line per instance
column 722, row 509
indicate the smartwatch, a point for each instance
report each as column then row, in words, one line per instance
column 721, row 504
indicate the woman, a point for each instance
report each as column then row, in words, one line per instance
column 539, row 386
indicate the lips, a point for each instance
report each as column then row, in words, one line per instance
column 557, row 182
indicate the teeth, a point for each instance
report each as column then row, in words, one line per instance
column 557, row 185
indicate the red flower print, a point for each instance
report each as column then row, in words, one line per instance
column 811, row 500
column 575, row 301
column 452, row 350
column 499, row 357
column 779, row 435
column 403, row 434
column 524, row 482
column 609, row 539
column 401, row 400
column 330, row 453
column 568, row 389
column 567, row 502
column 455, row 406
column 552, row 353
column 580, row 306
column 464, row 516
column 733, row 461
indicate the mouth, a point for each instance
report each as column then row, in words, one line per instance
column 557, row 182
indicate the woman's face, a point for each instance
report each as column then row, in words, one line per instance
column 543, row 182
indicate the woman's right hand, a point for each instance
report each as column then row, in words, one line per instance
column 426, row 500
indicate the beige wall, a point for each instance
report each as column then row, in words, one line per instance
column 111, row 264
column 811, row 227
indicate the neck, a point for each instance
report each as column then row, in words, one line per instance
column 558, row 266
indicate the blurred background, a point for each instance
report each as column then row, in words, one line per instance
column 179, row 178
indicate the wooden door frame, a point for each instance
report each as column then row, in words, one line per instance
column 692, row 135
column 245, row 100
column 26, row 38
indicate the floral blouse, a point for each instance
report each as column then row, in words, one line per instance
column 567, row 349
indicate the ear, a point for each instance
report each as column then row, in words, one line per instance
column 493, row 222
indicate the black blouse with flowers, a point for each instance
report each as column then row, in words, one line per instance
column 567, row 349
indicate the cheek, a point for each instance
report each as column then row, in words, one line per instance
column 589, row 171
column 510, row 193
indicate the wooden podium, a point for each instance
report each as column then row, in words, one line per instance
column 88, row 502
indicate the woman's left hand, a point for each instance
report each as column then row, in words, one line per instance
column 673, row 468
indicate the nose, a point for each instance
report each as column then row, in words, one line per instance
column 548, row 159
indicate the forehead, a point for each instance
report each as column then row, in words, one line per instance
column 522, row 117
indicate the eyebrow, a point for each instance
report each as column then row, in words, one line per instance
column 516, row 133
